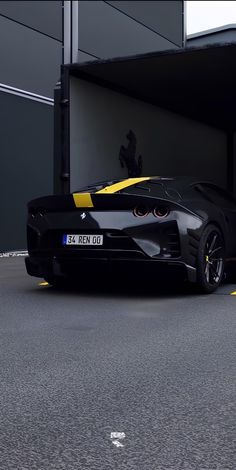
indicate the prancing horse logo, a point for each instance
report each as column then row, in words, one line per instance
column 127, row 156
column 83, row 215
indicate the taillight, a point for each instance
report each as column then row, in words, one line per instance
column 161, row 212
column 141, row 211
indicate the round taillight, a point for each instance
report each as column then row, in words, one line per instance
column 161, row 212
column 141, row 211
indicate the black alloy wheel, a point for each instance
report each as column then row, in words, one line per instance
column 211, row 259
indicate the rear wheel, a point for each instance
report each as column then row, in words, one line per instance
column 210, row 260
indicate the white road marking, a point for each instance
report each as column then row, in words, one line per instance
column 116, row 437
column 117, row 443
column 9, row 254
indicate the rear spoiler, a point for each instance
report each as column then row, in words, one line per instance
column 93, row 201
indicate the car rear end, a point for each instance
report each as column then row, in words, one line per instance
column 71, row 234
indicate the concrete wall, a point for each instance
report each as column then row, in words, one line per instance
column 169, row 144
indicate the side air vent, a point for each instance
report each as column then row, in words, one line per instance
column 171, row 235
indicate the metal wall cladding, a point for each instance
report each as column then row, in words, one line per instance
column 44, row 16
column 84, row 57
column 29, row 60
column 26, row 136
column 163, row 17
column 106, row 29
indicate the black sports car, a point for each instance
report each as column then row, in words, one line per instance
column 158, row 222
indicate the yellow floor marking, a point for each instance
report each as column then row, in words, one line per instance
column 43, row 283
column 233, row 293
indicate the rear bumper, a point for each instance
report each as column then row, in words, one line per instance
column 68, row 266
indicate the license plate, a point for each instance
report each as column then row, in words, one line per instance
column 82, row 239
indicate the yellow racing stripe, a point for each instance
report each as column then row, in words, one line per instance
column 83, row 200
column 113, row 188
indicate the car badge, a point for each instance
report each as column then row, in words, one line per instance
column 83, row 215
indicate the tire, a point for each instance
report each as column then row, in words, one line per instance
column 210, row 259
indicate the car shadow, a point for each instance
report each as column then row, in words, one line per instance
column 124, row 286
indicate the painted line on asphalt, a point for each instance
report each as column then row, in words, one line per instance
column 224, row 293
column 9, row 254
column 116, row 437
column 229, row 289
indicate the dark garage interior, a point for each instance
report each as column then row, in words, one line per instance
column 198, row 83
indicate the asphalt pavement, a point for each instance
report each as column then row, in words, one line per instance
column 105, row 376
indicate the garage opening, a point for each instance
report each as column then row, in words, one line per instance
column 172, row 113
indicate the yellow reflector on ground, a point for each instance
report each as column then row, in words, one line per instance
column 113, row 188
column 44, row 283
column 233, row 293
column 83, row 200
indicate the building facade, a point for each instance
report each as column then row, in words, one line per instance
column 30, row 56
column 36, row 38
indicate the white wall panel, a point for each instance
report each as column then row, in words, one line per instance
column 169, row 144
